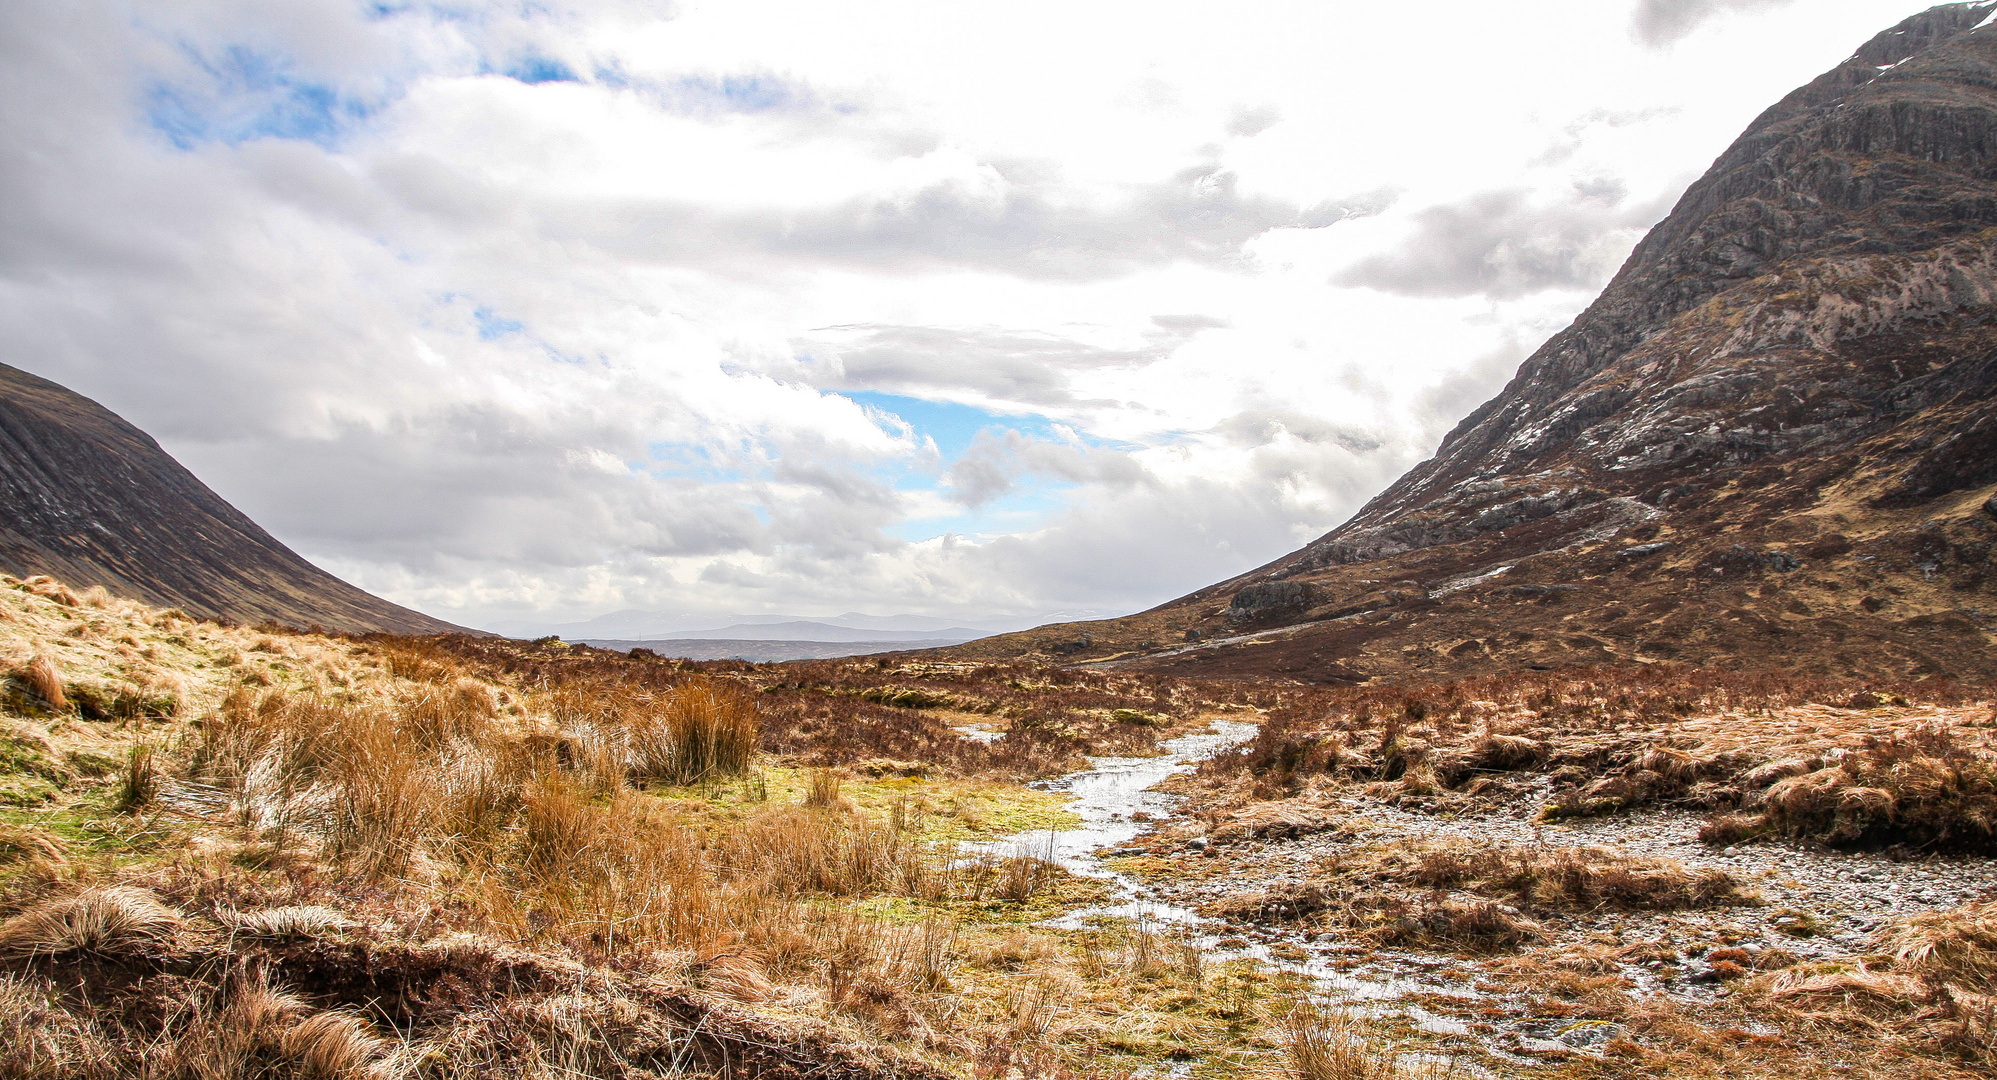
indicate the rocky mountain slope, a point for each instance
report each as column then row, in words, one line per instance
column 1771, row 440
column 92, row 500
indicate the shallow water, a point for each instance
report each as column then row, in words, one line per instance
column 1109, row 797
column 1112, row 791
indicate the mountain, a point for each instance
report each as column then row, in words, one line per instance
column 92, row 500
column 1770, row 441
column 634, row 625
column 766, row 650
column 805, row 630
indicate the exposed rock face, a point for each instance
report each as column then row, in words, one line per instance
column 1273, row 598
column 93, row 500
column 1805, row 349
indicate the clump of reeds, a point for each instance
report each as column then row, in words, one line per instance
column 139, row 780
column 822, row 791
column 1328, row 1045
column 45, row 679
column 700, row 730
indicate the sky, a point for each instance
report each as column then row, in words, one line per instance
column 524, row 312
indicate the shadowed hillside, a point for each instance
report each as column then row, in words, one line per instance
column 94, row 501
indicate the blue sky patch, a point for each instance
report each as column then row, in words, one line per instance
column 692, row 462
column 491, row 326
column 250, row 95
column 535, row 70
column 953, row 426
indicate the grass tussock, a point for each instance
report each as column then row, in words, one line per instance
column 115, row 920
column 23, row 843
column 1913, row 765
column 139, row 779
column 1957, row 948
column 1927, row 789
column 1480, row 898
column 289, row 921
column 45, row 679
column 250, row 1029
column 1563, row 878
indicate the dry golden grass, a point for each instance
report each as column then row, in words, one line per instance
column 113, row 920
column 1930, row 787
column 1956, row 947
column 45, row 679
column 291, row 921
column 1560, row 878
column 251, row 1030
column 557, row 855
column 1837, row 762
column 1327, row 1044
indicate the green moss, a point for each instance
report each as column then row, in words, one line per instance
column 19, row 790
column 1143, row 866
column 946, row 809
column 30, row 775
column 91, row 826
column 89, row 763
column 1796, row 924
column 907, row 698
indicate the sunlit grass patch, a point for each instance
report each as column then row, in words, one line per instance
column 942, row 808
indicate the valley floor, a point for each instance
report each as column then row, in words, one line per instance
column 231, row 851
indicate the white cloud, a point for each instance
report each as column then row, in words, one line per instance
column 1661, row 22
column 519, row 312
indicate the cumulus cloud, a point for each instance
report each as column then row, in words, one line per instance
column 919, row 361
column 1247, row 121
column 1658, row 23
column 1261, row 427
column 995, row 462
column 1505, row 245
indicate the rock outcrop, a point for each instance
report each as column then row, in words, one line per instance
column 1770, row 440
column 92, row 500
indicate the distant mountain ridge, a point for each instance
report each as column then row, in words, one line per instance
column 92, row 500
column 1772, row 440
column 802, row 630
column 764, row 650
column 634, row 624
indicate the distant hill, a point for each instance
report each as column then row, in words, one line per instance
column 1771, row 441
column 92, row 500
column 636, row 625
column 803, row 630
column 762, row 651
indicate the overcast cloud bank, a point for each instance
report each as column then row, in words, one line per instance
column 534, row 312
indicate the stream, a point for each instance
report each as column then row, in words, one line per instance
column 1113, row 797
